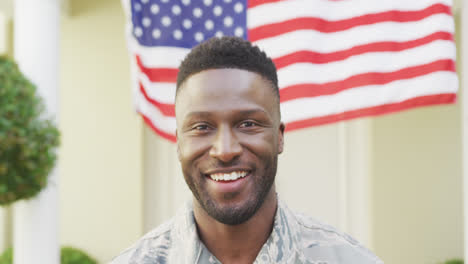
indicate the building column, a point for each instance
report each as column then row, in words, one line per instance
column 36, row 50
column 354, row 179
column 4, row 216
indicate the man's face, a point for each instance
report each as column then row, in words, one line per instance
column 229, row 136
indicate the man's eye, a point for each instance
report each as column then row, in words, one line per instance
column 248, row 124
column 200, row 127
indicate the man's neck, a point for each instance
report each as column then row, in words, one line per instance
column 237, row 243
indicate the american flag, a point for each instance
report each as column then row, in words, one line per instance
column 336, row 59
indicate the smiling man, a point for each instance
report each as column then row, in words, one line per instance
column 229, row 136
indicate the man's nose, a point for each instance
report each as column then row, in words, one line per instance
column 226, row 146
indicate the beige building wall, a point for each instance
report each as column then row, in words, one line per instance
column 100, row 157
column 417, row 186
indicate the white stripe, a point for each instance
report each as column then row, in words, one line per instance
column 134, row 76
column 158, row 57
column 368, row 62
column 330, row 42
column 369, row 96
column 330, row 10
column 165, row 123
column 159, row 91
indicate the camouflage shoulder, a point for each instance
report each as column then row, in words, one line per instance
column 316, row 234
column 158, row 236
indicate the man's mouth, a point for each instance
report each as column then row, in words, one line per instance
column 231, row 176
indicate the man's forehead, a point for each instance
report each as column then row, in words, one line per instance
column 235, row 78
column 230, row 86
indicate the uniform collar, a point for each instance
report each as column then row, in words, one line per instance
column 281, row 246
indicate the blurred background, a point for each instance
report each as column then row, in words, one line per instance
column 394, row 182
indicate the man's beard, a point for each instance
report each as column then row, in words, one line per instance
column 235, row 215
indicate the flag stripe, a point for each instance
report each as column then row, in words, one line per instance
column 370, row 78
column 303, row 56
column 331, row 11
column 159, row 91
column 369, row 96
column 158, row 74
column 165, row 123
column 345, row 4
column 375, row 110
column 254, row 3
column 165, row 109
column 322, row 25
column 159, row 57
column 170, row 137
column 369, row 62
column 333, row 42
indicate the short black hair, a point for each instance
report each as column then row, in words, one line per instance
column 228, row 52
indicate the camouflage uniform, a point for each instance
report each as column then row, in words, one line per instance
column 295, row 239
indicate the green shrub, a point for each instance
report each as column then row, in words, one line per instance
column 27, row 139
column 68, row 255
column 7, row 256
column 452, row 261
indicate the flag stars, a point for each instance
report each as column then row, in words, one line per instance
column 138, row 32
column 166, row 21
column 238, row 7
column 197, row 12
column 156, row 33
column 184, row 23
column 228, row 21
column 199, row 36
column 209, row 24
column 187, row 24
column 154, row 9
column 177, row 34
column 176, row 10
column 239, row 32
column 217, row 10
column 146, row 22
column 137, row 7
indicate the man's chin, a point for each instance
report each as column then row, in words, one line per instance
column 229, row 213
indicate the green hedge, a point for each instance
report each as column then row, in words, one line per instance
column 68, row 255
column 454, row 261
column 27, row 139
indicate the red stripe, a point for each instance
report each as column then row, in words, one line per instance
column 158, row 131
column 376, row 110
column 384, row 46
column 371, row 78
column 254, row 3
column 158, row 74
column 165, row 109
column 326, row 26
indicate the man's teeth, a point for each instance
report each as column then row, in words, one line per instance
column 228, row 176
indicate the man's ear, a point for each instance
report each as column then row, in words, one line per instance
column 281, row 138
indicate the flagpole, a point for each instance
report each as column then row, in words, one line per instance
column 36, row 49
